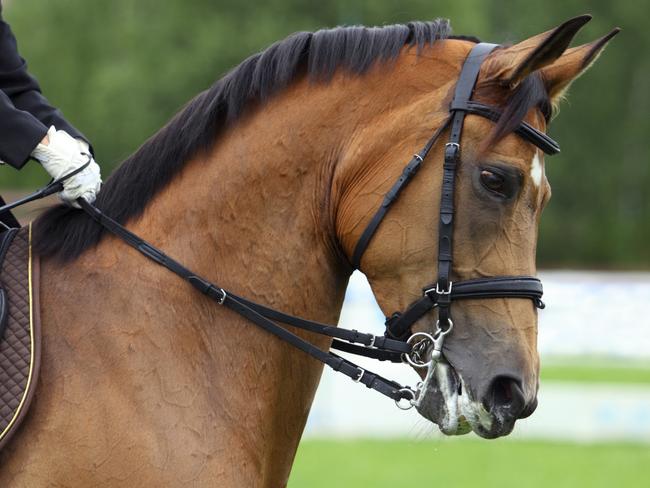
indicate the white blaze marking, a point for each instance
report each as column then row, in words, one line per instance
column 536, row 170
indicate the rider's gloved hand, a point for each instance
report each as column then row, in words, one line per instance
column 60, row 154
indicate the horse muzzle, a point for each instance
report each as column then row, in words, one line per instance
column 448, row 402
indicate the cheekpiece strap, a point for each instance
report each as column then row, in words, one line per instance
column 462, row 95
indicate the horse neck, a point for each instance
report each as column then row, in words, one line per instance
column 257, row 216
column 254, row 216
column 267, row 198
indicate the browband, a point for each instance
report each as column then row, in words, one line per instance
column 524, row 130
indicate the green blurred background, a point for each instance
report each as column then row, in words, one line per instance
column 120, row 69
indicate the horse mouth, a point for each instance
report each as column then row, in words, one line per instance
column 447, row 403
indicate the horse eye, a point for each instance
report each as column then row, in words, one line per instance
column 494, row 182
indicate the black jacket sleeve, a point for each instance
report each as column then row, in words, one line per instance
column 25, row 115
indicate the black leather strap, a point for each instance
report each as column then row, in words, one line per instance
column 398, row 326
column 353, row 336
column 54, row 186
column 469, row 75
column 497, row 287
column 463, row 93
column 378, row 354
column 525, row 130
column 410, row 170
column 372, row 380
column 7, row 219
column 243, row 307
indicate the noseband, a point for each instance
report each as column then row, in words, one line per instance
column 420, row 349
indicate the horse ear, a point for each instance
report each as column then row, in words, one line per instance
column 510, row 65
column 568, row 67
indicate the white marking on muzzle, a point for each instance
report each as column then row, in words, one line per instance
column 474, row 411
column 536, row 170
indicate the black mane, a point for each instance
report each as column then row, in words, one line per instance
column 64, row 233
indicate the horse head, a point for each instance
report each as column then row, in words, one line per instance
column 488, row 375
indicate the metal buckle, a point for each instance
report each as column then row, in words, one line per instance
column 224, row 296
column 438, row 290
column 361, row 373
column 418, row 157
column 444, row 292
column 452, row 151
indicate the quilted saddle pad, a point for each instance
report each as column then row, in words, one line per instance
column 20, row 340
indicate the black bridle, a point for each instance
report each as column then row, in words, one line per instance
column 394, row 345
column 444, row 291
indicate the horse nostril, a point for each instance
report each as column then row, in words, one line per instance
column 505, row 394
column 528, row 411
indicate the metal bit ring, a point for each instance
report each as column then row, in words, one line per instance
column 411, row 401
column 416, row 340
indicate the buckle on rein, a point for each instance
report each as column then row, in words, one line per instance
column 422, row 344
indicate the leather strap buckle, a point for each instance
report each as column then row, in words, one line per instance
column 452, row 149
column 447, row 291
column 224, row 295
column 360, row 375
column 437, row 291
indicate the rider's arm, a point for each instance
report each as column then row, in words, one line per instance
column 20, row 132
column 25, row 114
column 31, row 127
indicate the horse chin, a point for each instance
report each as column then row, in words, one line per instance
column 447, row 403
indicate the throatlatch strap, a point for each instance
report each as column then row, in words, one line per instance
column 407, row 175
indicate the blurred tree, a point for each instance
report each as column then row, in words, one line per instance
column 120, row 69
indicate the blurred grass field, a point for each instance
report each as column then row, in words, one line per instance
column 473, row 462
column 595, row 370
column 469, row 462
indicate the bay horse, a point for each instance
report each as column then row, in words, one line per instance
column 264, row 183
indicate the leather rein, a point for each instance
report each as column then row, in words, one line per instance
column 398, row 344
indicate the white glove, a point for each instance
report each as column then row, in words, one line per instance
column 63, row 155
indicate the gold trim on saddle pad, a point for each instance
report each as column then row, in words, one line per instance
column 21, row 339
